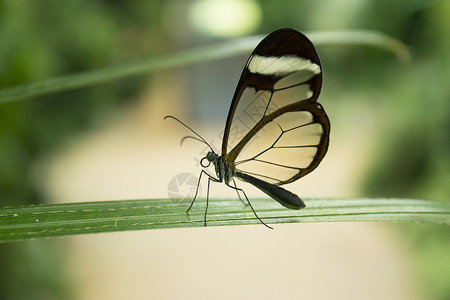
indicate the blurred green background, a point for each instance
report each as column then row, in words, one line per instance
column 408, row 103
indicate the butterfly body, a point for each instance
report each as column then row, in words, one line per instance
column 223, row 169
column 276, row 131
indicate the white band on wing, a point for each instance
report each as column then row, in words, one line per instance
column 281, row 65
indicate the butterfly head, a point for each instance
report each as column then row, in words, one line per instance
column 211, row 157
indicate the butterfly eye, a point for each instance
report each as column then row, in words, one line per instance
column 205, row 162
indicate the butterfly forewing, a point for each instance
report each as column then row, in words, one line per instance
column 284, row 68
column 275, row 130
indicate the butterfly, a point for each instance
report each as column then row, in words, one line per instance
column 276, row 131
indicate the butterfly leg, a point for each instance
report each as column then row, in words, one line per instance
column 207, row 201
column 198, row 185
column 254, row 212
column 210, row 178
column 196, row 192
column 237, row 192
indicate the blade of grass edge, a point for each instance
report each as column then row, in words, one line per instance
column 48, row 220
column 192, row 56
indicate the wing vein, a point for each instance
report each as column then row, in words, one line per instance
column 299, row 126
column 267, row 106
column 299, row 146
column 290, row 86
column 278, row 165
column 271, row 147
column 260, row 175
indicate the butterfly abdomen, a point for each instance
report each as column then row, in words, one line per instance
column 284, row 197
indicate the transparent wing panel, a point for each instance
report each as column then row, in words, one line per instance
column 251, row 109
column 288, row 96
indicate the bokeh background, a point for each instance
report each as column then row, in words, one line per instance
column 390, row 138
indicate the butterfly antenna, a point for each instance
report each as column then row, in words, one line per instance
column 200, row 139
column 190, row 137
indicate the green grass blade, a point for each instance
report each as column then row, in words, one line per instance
column 38, row 221
column 363, row 38
column 192, row 56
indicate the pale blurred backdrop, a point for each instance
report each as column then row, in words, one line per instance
column 389, row 138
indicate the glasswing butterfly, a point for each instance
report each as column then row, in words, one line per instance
column 275, row 132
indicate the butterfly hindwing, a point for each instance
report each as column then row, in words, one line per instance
column 281, row 151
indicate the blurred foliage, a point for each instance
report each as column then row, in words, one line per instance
column 411, row 111
column 413, row 159
column 33, row 270
column 42, row 39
